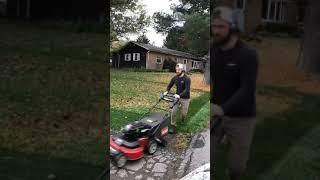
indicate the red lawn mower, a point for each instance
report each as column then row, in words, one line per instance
column 143, row 135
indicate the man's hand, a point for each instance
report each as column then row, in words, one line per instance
column 165, row 93
column 216, row 110
column 176, row 96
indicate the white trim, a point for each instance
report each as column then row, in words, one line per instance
column 158, row 59
column 147, row 60
column 118, row 61
column 127, row 57
column 280, row 12
column 136, row 56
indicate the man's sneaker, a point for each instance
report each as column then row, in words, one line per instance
column 172, row 129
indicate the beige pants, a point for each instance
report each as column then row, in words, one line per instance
column 239, row 132
column 184, row 104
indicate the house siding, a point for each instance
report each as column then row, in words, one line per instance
column 148, row 59
column 253, row 12
column 130, row 49
column 291, row 14
column 152, row 61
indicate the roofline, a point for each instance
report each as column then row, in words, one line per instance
column 193, row 58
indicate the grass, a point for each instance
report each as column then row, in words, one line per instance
column 132, row 93
column 18, row 166
column 53, row 103
column 301, row 161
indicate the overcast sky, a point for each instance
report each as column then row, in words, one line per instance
column 151, row 7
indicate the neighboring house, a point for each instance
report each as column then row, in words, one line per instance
column 256, row 12
column 139, row 55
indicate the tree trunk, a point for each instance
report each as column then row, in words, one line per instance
column 309, row 59
column 206, row 74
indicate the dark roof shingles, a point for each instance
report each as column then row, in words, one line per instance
column 166, row 51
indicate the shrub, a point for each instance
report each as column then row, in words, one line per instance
column 170, row 65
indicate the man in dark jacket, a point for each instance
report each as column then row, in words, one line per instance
column 233, row 77
column 182, row 82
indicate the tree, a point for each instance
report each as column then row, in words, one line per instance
column 126, row 16
column 175, row 38
column 310, row 55
column 169, row 64
column 194, row 34
column 143, row 39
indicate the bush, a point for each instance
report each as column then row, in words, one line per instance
column 170, row 65
column 142, row 69
column 280, row 30
column 196, row 71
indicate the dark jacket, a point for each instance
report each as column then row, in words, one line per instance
column 182, row 84
column 233, row 79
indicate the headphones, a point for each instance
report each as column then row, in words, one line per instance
column 228, row 15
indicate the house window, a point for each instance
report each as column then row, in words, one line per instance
column 127, row 57
column 176, row 60
column 195, row 65
column 185, row 61
column 273, row 10
column 159, row 60
column 136, row 57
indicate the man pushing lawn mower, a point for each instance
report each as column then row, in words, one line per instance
column 182, row 82
column 234, row 69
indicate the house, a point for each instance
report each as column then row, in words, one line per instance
column 139, row 55
column 258, row 12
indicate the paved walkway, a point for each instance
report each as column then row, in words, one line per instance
column 167, row 163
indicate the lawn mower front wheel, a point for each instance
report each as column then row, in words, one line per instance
column 152, row 146
column 120, row 160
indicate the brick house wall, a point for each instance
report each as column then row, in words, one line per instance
column 252, row 13
column 151, row 62
column 291, row 14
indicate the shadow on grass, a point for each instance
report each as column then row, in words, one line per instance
column 15, row 165
column 276, row 134
column 201, row 119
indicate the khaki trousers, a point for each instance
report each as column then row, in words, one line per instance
column 184, row 105
column 238, row 133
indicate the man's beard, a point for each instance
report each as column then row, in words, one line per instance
column 222, row 41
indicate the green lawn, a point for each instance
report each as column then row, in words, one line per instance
column 132, row 93
column 285, row 142
column 53, row 102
